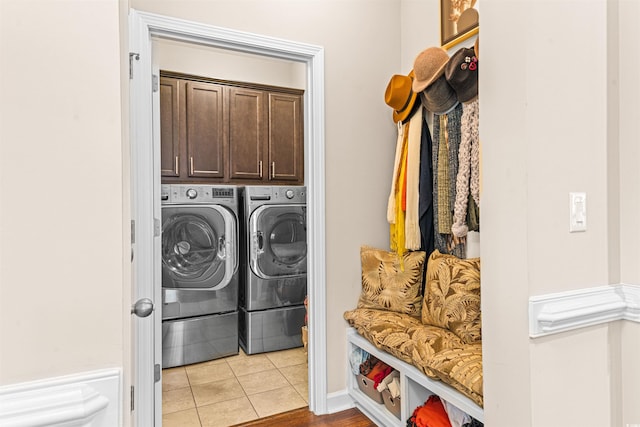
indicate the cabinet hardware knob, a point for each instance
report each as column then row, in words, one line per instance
column 273, row 170
column 260, row 167
column 177, row 165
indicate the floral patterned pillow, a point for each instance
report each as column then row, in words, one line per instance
column 452, row 296
column 391, row 282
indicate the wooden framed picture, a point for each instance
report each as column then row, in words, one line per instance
column 459, row 20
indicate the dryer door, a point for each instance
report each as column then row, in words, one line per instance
column 278, row 240
column 199, row 248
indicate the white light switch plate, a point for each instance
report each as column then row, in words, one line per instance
column 577, row 212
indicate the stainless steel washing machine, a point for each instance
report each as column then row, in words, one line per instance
column 200, row 274
column 274, row 267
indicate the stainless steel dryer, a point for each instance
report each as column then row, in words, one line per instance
column 200, row 259
column 274, row 268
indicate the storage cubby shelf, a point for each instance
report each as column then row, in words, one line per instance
column 415, row 388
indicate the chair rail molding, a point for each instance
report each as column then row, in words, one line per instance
column 84, row 399
column 565, row 311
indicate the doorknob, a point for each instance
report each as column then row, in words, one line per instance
column 142, row 308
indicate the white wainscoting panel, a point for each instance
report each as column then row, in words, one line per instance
column 91, row 399
column 565, row 311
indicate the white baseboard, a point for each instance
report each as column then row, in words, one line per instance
column 339, row 401
column 565, row 311
column 89, row 399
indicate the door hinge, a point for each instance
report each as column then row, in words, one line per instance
column 132, row 56
column 157, row 227
column 156, row 372
column 132, row 398
column 155, row 83
column 133, row 236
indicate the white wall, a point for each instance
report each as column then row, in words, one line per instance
column 61, row 250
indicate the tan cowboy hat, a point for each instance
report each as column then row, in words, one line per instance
column 400, row 97
column 428, row 66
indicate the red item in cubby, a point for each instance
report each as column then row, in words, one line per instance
column 431, row 414
column 379, row 372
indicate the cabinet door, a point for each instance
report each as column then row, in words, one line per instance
column 205, row 130
column 247, row 133
column 285, row 145
column 169, row 127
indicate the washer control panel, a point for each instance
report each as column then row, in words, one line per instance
column 190, row 193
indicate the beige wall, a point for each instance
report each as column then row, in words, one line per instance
column 227, row 65
column 629, row 156
column 360, row 57
column 546, row 95
column 629, row 196
column 419, row 29
column 61, row 190
column 552, row 124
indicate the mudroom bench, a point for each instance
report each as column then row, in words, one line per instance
column 431, row 337
column 415, row 388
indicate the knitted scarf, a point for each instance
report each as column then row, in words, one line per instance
column 444, row 214
column 445, row 242
column 468, row 167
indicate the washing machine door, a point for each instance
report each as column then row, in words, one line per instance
column 278, row 240
column 199, row 249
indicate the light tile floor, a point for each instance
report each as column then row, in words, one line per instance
column 235, row 389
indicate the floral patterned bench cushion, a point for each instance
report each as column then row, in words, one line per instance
column 434, row 350
column 392, row 282
column 387, row 330
column 462, row 369
column 452, row 296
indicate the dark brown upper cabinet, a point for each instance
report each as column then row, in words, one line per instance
column 230, row 132
column 284, row 147
column 169, row 128
column 247, row 134
column 205, row 130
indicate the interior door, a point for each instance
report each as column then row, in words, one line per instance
column 146, row 310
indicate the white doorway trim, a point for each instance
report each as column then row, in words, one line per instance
column 145, row 182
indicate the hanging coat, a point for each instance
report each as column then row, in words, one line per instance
column 426, row 190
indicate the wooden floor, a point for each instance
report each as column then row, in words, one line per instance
column 303, row 418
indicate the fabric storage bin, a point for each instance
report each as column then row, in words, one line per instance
column 366, row 386
column 392, row 404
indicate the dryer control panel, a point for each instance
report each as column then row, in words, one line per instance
column 260, row 195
